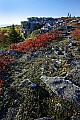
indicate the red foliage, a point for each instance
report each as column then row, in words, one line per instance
column 1, row 92
column 41, row 40
column 66, row 19
column 76, row 34
column 1, row 83
column 4, row 60
column 1, row 86
column 32, row 44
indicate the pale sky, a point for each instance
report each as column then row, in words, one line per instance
column 15, row 11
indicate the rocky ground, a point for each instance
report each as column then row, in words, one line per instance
column 45, row 83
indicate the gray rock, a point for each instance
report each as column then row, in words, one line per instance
column 64, row 88
column 44, row 118
column 27, row 83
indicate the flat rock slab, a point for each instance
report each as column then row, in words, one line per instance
column 62, row 87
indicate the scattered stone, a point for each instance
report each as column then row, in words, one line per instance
column 44, row 118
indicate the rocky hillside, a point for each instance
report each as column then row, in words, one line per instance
column 43, row 83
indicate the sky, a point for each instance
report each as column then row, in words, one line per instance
column 15, row 11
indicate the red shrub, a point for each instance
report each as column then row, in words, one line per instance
column 35, row 43
column 1, row 83
column 76, row 34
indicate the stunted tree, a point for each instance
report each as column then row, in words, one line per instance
column 68, row 15
column 14, row 36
